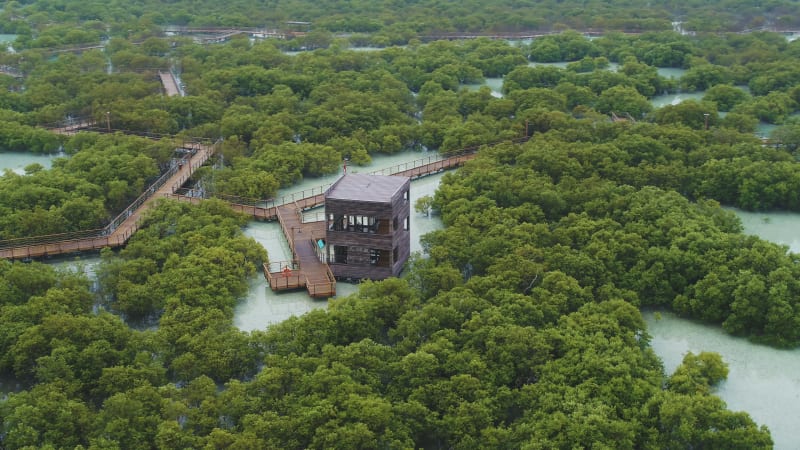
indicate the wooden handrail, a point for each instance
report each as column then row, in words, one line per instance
column 299, row 212
column 290, row 239
column 26, row 244
column 280, row 265
column 318, row 217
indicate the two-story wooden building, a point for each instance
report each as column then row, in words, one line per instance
column 367, row 226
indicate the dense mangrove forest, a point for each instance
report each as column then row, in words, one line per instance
column 518, row 326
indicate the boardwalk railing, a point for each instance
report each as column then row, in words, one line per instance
column 319, row 251
column 263, row 203
column 299, row 212
column 57, row 244
column 100, row 233
column 96, row 125
column 149, row 192
column 324, row 289
column 282, row 275
column 422, row 162
column 318, row 216
column 50, row 238
column 206, row 152
column 280, row 266
column 94, row 239
column 285, row 230
column 305, row 199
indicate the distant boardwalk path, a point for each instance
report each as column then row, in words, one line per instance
column 170, row 84
column 121, row 228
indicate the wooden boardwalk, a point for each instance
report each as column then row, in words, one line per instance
column 170, row 84
column 222, row 34
column 312, row 198
column 413, row 170
column 258, row 209
column 306, row 270
column 120, row 229
column 71, row 129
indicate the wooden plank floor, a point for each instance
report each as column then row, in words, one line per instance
column 259, row 212
column 169, row 83
column 315, row 274
column 177, row 180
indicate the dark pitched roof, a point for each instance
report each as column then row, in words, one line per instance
column 366, row 188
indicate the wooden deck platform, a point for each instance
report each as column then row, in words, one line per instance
column 305, row 270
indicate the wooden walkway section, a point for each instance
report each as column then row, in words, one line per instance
column 170, row 84
column 312, row 198
column 211, row 35
column 306, row 270
column 74, row 128
column 121, row 228
column 414, row 170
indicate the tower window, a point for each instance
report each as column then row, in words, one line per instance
column 340, row 254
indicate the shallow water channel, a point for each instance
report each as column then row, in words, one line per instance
column 17, row 161
column 763, row 381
